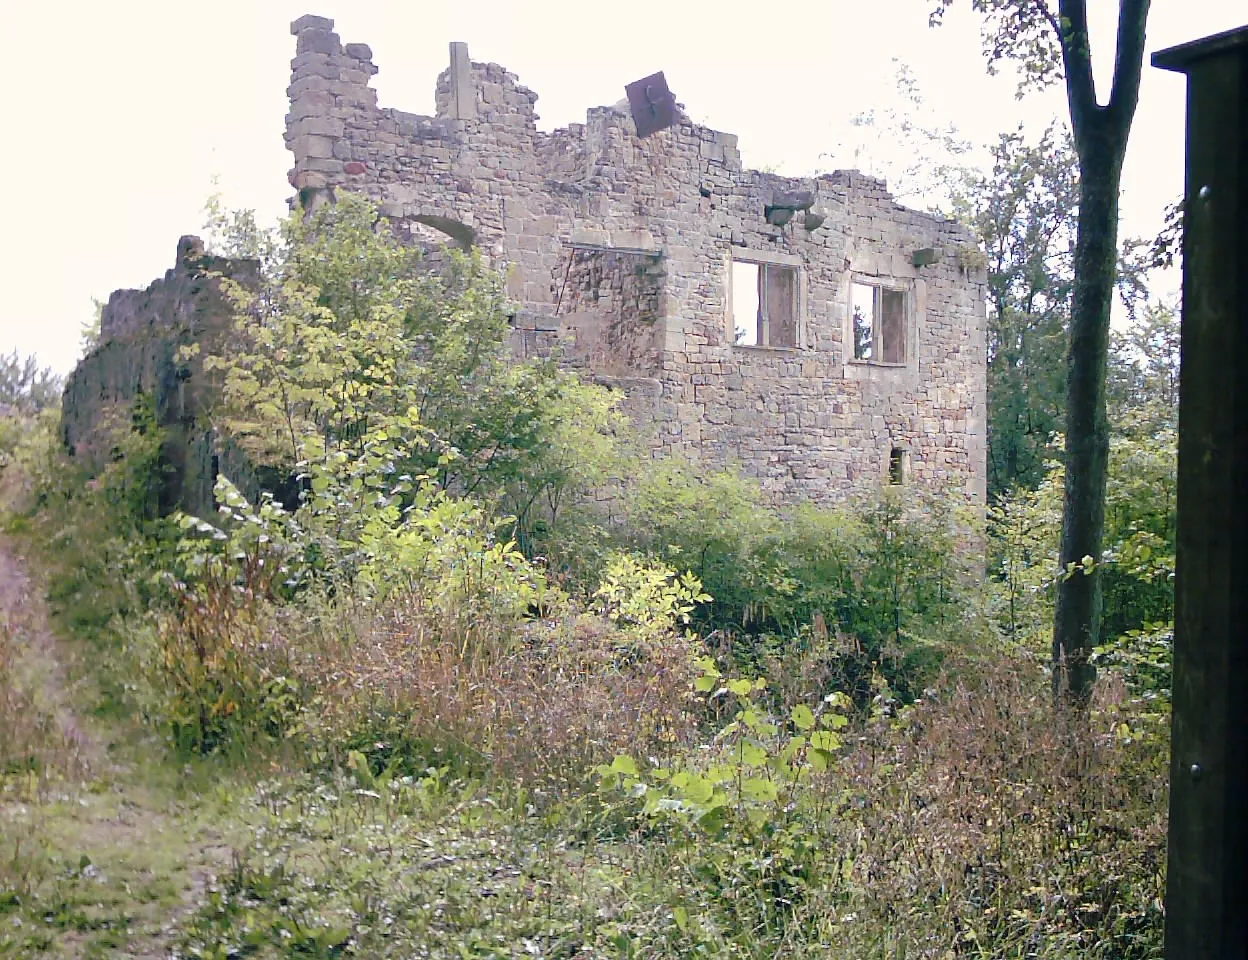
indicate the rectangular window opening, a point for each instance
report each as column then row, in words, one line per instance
column 879, row 322
column 864, row 321
column 746, row 312
column 763, row 309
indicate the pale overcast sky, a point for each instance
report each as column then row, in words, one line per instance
column 120, row 114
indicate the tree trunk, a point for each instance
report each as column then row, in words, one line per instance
column 1100, row 134
column 1076, row 622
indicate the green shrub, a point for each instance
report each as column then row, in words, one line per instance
column 888, row 576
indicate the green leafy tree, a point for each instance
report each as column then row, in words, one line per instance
column 1024, row 527
column 236, row 233
column 1141, row 518
column 1023, row 210
column 585, row 442
column 348, row 334
column 311, row 364
column 1144, row 372
column 1137, row 568
column 1049, row 41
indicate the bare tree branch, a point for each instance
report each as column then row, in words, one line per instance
column 1077, row 59
column 1042, row 7
column 1128, row 63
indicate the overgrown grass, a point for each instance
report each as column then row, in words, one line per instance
column 33, row 746
column 104, row 867
column 957, row 828
column 435, row 771
column 38, row 744
column 400, row 867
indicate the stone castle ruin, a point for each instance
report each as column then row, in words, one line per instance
column 812, row 331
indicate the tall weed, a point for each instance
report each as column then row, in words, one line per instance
column 957, row 825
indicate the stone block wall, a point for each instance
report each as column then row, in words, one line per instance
column 619, row 250
column 141, row 333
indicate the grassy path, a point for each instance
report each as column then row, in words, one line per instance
column 101, row 847
column 109, row 849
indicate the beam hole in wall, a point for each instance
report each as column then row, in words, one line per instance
column 762, row 304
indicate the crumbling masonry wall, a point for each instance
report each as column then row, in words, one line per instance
column 138, row 357
column 619, row 253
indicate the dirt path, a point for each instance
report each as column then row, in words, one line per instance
column 38, row 666
column 105, row 852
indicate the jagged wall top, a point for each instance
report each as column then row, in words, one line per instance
column 330, row 88
column 176, row 300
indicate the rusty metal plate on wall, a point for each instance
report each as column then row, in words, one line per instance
column 653, row 105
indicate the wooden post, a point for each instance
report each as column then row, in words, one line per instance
column 1207, row 879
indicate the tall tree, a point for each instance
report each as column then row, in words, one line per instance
column 1050, row 42
column 1144, row 372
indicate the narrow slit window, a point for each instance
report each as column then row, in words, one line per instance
column 898, row 465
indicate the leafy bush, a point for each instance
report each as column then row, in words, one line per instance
column 218, row 653
column 748, row 801
column 711, row 522
column 647, row 600
column 348, row 337
column 408, row 633
column 888, row 576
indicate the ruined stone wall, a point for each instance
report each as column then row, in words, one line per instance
column 141, row 332
column 619, row 251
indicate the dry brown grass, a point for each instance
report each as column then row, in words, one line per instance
column 541, row 707
column 1000, row 831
